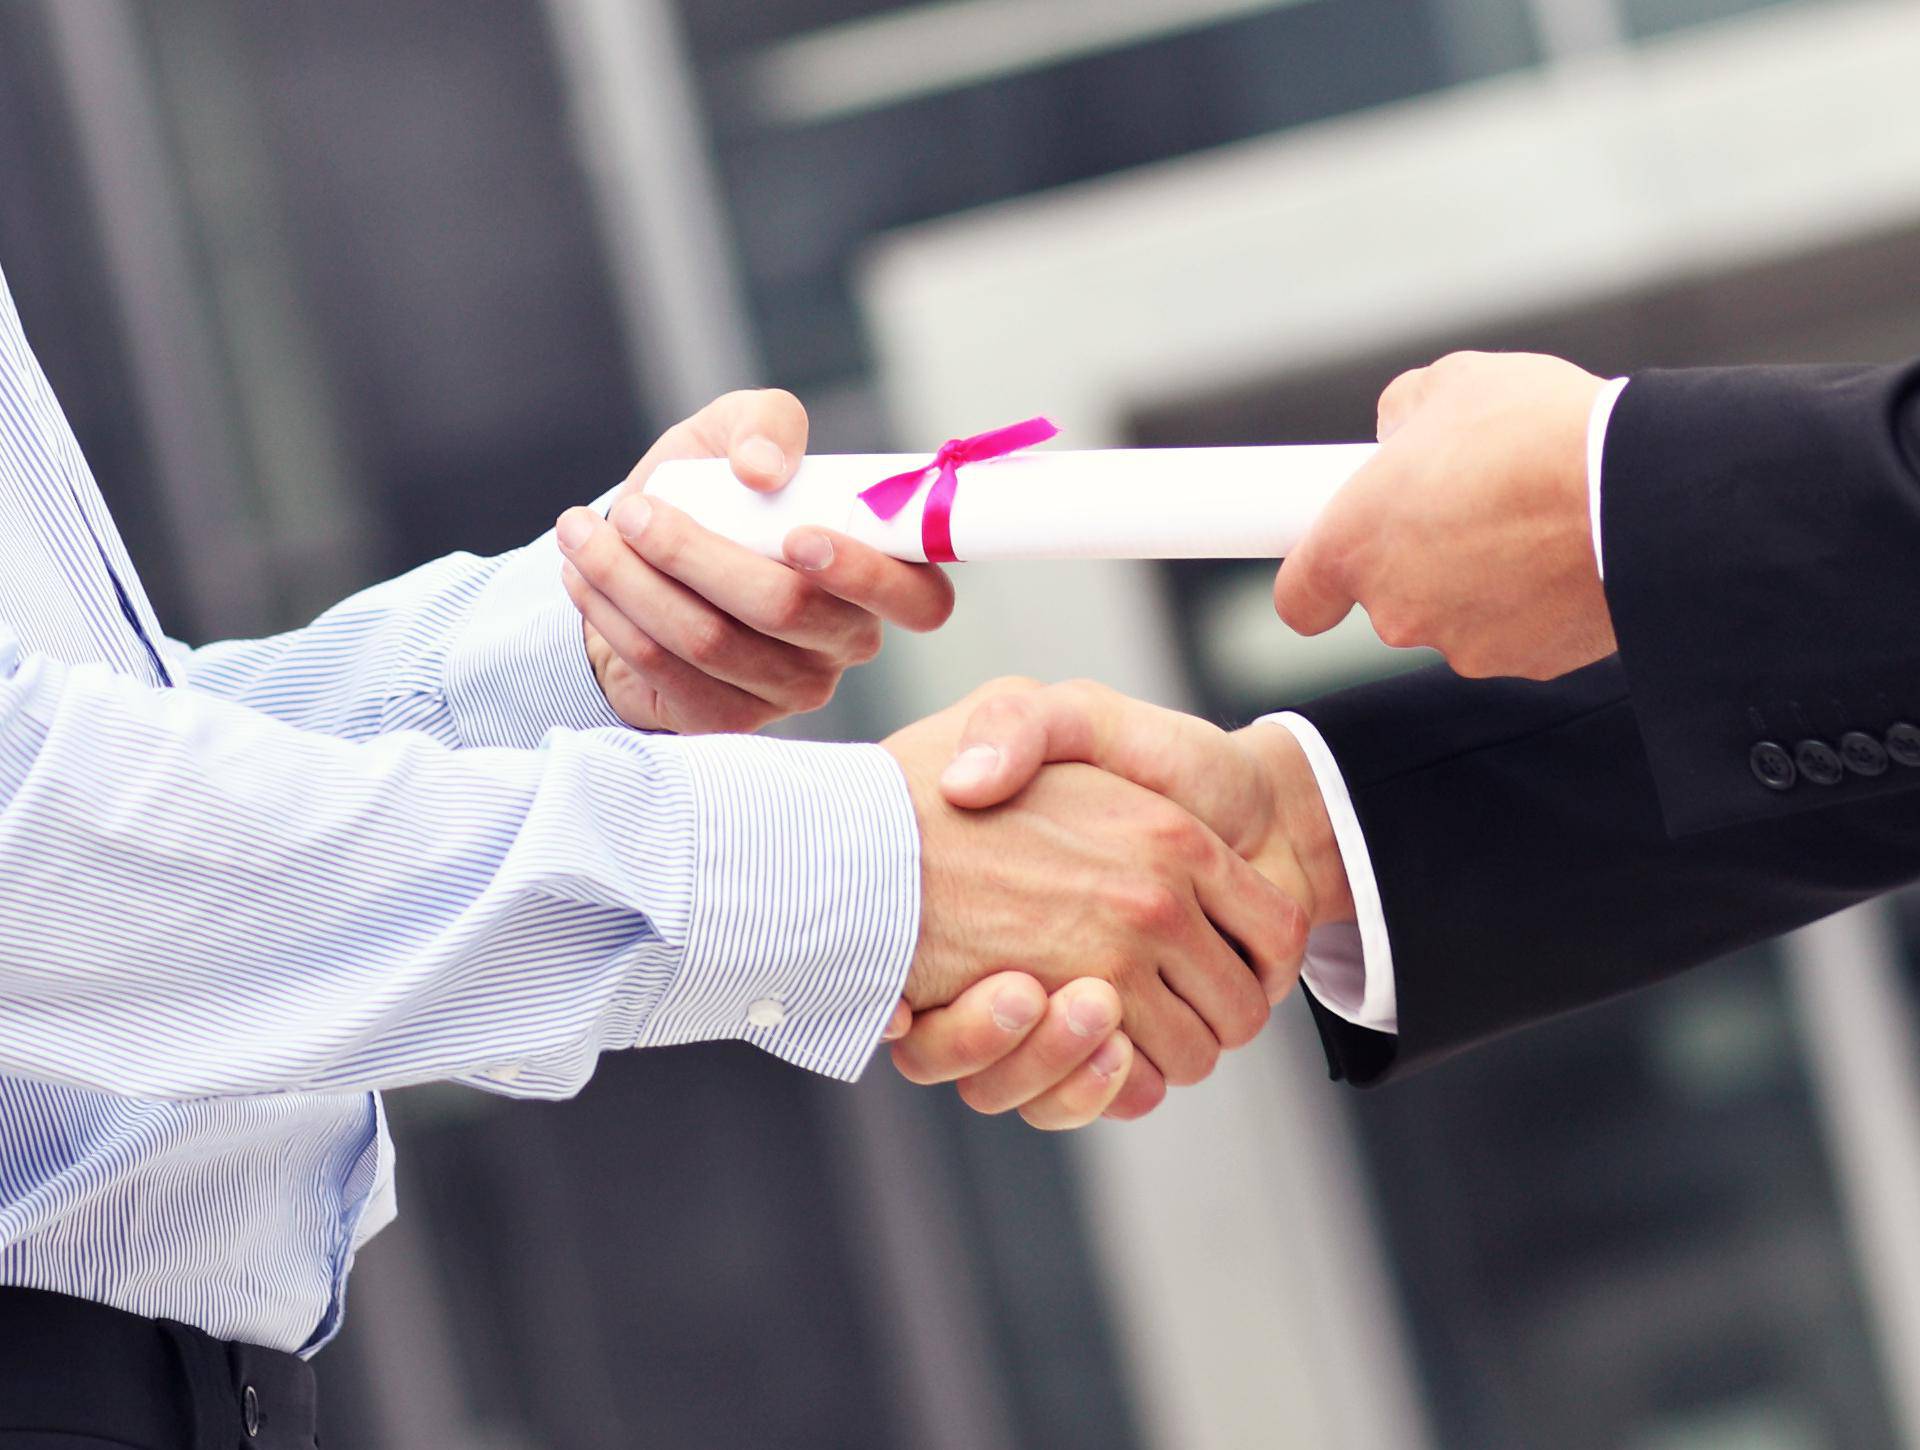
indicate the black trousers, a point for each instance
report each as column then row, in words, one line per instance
column 78, row 1376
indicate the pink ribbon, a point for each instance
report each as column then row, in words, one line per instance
column 887, row 497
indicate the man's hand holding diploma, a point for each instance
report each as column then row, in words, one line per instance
column 1470, row 530
column 690, row 632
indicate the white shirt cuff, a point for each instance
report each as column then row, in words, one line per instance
column 805, row 912
column 1597, row 422
column 1349, row 966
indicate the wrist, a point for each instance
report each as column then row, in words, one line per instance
column 1300, row 822
column 933, row 976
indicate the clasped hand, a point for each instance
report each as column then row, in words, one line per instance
column 688, row 631
column 1145, row 867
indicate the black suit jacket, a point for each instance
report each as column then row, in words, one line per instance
column 1746, row 764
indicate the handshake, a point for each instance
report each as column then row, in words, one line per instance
column 1156, row 875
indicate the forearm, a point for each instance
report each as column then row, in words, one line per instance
column 202, row 901
column 471, row 651
column 1761, row 527
column 1524, row 867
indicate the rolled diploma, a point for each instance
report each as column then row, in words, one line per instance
column 1135, row 503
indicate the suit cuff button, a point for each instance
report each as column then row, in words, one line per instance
column 1772, row 766
column 1903, row 743
column 1818, row 762
column 1863, row 754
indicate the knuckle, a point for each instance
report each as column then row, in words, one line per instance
column 785, row 605
column 780, row 400
column 1396, row 628
column 726, row 405
column 1177, row 836
column 1062, row 1111
column 1091, row 691
column 1247, row 1019
column 1055, row 1048
column 975, row 1046
column 595, row 557
column 980, row 1097
column 940, row 608
column 665, row 543
column 912, row 1062
column 743, row 717
column 1003, row 714
column 1467, row 660
column 1287, row 601
column 1150, row 907
column 867, row 639
column 709, row 640
column 1011, row 685
column 644, row 653
column 1193, row 1059
column 816, row 689
column 1291, row 929
column 622, row 515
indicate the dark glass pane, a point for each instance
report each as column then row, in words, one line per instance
column 806, row 197
column 1657, row 17
column 54, row 266
column 448, row 255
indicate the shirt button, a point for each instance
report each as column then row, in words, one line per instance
column 1863, row 754
column 1818, row 763
column 767, row 1012
column 1903, row 743
column 1772, row 766
column 250, row 1411
column 506, row 1072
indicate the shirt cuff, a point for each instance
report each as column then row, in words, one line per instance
column 1597, row 421
column 518, row 667
column 806, row 901
column 1349, row 965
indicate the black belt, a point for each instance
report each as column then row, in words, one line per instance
column 74, row 1372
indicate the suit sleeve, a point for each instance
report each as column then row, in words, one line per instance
column 1525, row 867
column 1761, row 530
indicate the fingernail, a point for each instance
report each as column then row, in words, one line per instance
column 575, row 528
column 1090, row 1016
column 631, row 517
column 1013, row 1009
column 809, row 549
column 1110, row 1057
column 762, row 456
column 973, row 766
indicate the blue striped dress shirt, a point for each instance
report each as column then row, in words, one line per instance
column 244, row 887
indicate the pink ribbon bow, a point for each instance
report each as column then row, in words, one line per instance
column 887, row 497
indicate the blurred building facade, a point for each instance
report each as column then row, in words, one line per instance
column 329, row 289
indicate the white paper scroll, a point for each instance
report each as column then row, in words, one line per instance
column 1146, row 503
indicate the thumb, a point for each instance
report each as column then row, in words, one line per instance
column 1309, row 594
column 762, row 431
column 1007, row 739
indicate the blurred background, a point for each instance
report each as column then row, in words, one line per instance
column 330, row 288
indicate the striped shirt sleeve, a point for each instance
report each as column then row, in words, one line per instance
column 204, row 900
column 472, row 651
